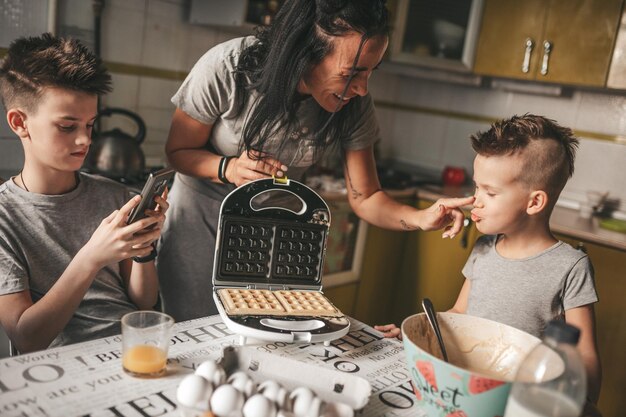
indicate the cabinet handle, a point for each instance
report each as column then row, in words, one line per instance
column 529, row 49
column 547, row 48
column 467, row 222
column 581, row 247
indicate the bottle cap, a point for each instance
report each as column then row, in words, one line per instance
column 562, row 332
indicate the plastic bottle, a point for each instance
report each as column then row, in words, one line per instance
column 551, row 380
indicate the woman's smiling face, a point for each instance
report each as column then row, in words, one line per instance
column 327, row 80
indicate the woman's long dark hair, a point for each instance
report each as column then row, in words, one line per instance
column 297, row 40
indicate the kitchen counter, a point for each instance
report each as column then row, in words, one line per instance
column 567, row 222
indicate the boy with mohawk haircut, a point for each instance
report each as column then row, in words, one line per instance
column 66, row 273
column 518, row 273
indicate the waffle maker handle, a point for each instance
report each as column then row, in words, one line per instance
column 239, row 202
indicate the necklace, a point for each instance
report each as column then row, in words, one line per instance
column 23, row 183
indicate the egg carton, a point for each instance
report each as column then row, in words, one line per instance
column 269, row 257
column 248, row 383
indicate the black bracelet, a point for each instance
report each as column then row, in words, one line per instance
column 221, row 170
column 149, row 257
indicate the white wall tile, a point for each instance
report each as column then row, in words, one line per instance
column 479, row 101
column 125, row 92
column 122, row 33
column 166, row 36
column 154, row 146
column 157, row 92
column 458, row 149
column 157, row 118
column 602, row 113
column 599, row 166
column 417, row 139
column 561, row 109
column 424, row 93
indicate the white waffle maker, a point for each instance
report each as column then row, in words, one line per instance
column 272, row 236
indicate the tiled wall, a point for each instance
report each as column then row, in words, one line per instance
column 155, row 34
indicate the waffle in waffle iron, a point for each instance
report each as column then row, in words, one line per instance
column 268, row 266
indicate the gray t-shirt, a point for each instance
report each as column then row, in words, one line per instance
column 208, row 95
column 528, row 293
column 41, row 234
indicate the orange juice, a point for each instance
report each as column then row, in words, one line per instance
column 144, row 360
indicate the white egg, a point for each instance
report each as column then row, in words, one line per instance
column 274, row 391
column 302, row 398
column 242, row 382
column 226, row 400
column 194, row 391
column 212, row 371
column 315, row 408
column 334, row 409
column 259, row 406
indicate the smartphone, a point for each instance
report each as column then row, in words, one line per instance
column 157, row 181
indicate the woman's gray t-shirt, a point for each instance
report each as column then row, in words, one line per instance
column 39, row 236
column 527, row 293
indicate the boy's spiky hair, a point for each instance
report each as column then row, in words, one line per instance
column 34, row 63
column 548, row 149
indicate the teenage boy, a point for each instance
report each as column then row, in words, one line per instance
column 66, row 253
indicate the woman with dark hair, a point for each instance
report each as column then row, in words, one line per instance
column 268, row 105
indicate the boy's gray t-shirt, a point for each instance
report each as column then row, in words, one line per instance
column 41, row 234
column 528, row 293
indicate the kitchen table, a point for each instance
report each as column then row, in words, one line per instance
column 87, row 379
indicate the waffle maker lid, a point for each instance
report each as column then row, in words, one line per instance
column 271, row 235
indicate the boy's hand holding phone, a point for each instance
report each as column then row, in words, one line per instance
column 115, row 240
column 131, row 231
column 153, row 204
column 154, row 229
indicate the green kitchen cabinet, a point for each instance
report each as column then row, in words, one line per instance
column 380, row 273
column 610, row 278
column 555, row 41
column 431, row 267
column 343, row 297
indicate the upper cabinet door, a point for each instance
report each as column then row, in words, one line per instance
column 558, row 41
column 507, row 44
column 582, row 33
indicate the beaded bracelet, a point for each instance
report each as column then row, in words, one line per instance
column 221, row 170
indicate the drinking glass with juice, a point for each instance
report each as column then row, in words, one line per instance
column 145, row 342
